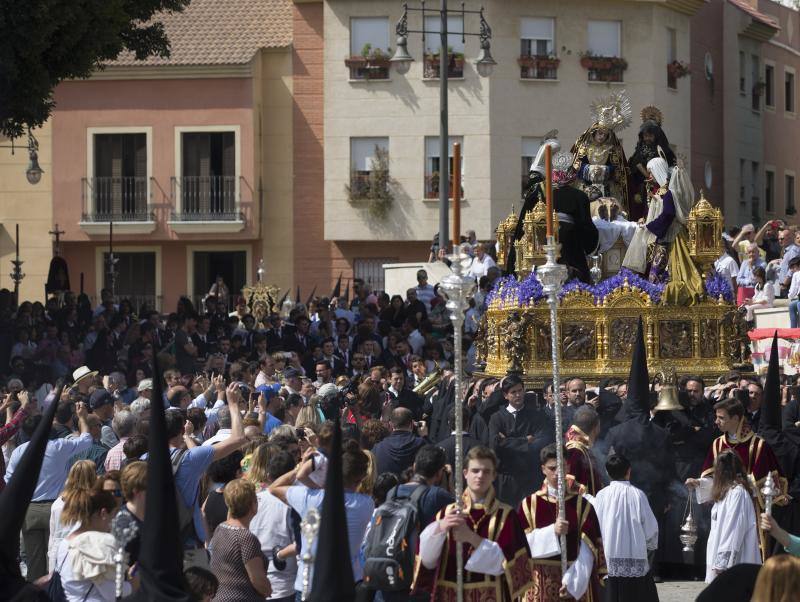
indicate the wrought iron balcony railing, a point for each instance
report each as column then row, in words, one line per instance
column 115, row 199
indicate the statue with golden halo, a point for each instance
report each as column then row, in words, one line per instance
column 598, row 159
column 651, row 137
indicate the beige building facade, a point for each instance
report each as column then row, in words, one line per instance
column 499, row 120
column 30, row 206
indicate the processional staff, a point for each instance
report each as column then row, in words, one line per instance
column 552, row 276
column 459, row 288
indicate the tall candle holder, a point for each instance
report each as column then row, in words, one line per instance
column 459, row 287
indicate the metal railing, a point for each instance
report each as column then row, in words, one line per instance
column 206, row 198
column 117, row 199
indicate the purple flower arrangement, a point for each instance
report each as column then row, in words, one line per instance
column 718, row 286
column 529, row 292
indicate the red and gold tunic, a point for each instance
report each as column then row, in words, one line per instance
column 579, row 462
column 758, row 460
column 496, row 522
column 537, row 511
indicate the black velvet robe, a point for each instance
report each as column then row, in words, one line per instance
column 519, row 473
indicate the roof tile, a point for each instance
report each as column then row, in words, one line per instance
column 220, row 32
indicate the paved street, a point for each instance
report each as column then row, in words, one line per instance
column 679, row 591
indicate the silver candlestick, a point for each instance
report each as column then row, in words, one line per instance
column 310, row 528
column 552, row 275
column 459, row 288
column 770, row 492
column 124, row 529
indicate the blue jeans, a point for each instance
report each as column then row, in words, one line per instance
column 794, row 313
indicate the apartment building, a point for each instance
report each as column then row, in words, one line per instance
column 187, row 160
column 358, row 103
column 729, row 107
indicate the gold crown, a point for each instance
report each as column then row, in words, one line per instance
column 651, row 113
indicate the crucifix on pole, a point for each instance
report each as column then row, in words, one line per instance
column 57, row 242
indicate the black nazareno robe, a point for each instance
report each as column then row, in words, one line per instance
column 519, row 473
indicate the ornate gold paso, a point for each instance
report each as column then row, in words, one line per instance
column 505, row 237
column 262, row 300
column 596, row 339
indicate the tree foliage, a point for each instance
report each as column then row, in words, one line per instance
column 43, row 42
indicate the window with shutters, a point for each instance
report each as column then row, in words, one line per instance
column 117, row 189
column 433, row 162
column 134, row 278
column 537, row 58
column 369, row 48
column 208, row 176
column 603, row 57
column 363, row 162
column 455, row 46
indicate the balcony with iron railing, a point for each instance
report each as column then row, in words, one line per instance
column 121, row 200
column 206, row 203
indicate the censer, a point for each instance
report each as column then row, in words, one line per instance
column 688, row 535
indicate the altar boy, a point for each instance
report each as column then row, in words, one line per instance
column 629, row 531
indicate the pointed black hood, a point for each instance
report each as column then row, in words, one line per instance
column 161, row 551
column 638, row 400
column 14, row 501
column 311, row 296
column 297, row 296
column 337, row 290
column 771, row 406
column 333, row 574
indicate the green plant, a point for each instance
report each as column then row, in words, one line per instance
column 366, row 50
column 376, row 186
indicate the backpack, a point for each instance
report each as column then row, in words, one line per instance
column 185, row 512
column 391, row 544
column 55, row 589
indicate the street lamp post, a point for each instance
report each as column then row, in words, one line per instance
column 34, row 172
column 484, row 63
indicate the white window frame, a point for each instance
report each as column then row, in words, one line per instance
column 100, row 267
column 191, row 249
column 382, row 45
column 790, row 71
column 618, row 24
column 432, row 143
column 552, row 34
column 144, row 227
column 206, row 226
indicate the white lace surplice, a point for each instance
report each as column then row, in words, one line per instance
column 628, row 526
column 733, row 538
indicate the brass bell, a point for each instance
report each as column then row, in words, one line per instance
column 668, row 395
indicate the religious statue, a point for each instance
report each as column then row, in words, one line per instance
column 577, row 234
column 651, row 138
column 481, row 341
column 598, row 158
column 662, row 235
column 514, row 336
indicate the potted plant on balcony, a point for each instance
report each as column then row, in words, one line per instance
column 603, row 68
column 539, row 61
column 374, row 190
column 372, row 63
column 455, row 63
column 678, row 69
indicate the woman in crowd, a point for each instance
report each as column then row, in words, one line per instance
column 236, row 557
column 764, row 295
column 85, row 558
column 110, row 482
column 778, row 580
column 82, row 475
column 733, row 538
column 220, row 473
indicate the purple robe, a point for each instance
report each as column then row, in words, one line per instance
column 661, row 224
